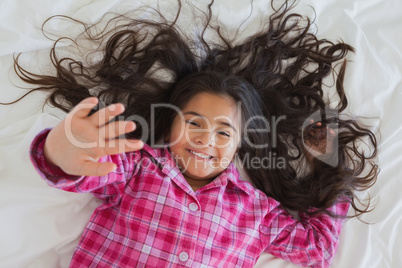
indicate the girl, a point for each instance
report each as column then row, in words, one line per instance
column 183, row 204
column 275, row 75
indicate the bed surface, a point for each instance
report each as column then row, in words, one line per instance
column 40, row 226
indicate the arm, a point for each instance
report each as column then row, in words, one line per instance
column 310, row 241
column 109, row 188
column 82, row 153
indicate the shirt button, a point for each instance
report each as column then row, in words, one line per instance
column 183, row 256
column 193, row 207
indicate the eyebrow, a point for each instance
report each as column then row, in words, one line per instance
column 221, row 122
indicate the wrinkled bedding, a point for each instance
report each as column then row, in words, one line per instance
column 40, row 226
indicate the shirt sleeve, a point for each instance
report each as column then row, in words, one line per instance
column 109, row 188
column 311, row 241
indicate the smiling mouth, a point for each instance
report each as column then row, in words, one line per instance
column 201, row 155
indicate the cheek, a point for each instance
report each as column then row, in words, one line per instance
column 230, row 151
column 175, row 132
column 230, row 154
column 175, row 144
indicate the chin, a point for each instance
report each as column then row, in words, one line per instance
column 200, row 175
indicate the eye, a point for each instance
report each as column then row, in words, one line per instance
column 193, row 123
column 226, row 134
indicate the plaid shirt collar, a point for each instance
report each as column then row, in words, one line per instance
column 229, row 178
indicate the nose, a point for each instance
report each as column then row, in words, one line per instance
column 205, row 138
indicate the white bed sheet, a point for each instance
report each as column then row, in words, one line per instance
column 40, row 226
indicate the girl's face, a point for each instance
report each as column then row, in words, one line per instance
column 205, row 136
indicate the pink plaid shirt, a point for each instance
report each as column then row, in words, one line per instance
column 150, row 216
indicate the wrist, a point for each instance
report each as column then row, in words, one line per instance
column 47, row 153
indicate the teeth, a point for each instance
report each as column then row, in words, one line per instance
column 201, row 155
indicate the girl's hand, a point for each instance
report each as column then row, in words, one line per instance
column 76, row 143
column 319, row 139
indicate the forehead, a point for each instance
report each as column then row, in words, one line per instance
column 214, row 107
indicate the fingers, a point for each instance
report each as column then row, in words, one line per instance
column 83, row 108
column 315, row 131
column 321, row 140
column 331, row 132
column 105, row 115
column 99, row 118
column 118, row 146
column 111, row 142
column 116, row 129
column 319, row 133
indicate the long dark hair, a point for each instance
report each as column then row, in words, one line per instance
column 219, row 83
column 285, row 64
